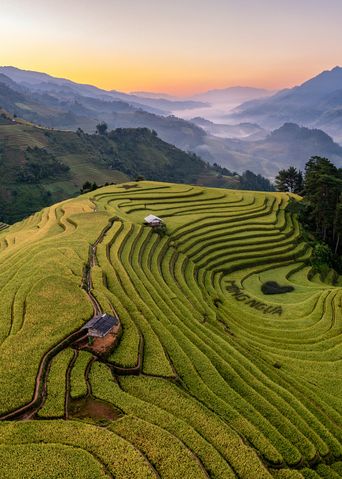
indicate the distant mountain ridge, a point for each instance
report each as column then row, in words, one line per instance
column 149, row 94
column 65, row 105
column 62, row 104
column 231, row 95
column 316, row 103
column 37, row 81
column 288, row 145
column 233, row 142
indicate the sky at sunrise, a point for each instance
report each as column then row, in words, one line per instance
column 179, row 46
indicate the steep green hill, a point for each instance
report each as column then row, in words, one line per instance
column 39, row 167
column 229, row 363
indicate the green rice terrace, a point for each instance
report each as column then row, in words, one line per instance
column 227, row 361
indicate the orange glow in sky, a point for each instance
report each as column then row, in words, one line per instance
column 178, row 47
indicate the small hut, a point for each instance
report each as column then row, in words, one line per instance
column 152, row 220
column 99, row 326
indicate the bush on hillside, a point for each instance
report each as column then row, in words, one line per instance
column 272, row 287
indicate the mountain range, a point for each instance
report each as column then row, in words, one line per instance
column 288, row 145
column 317, row 103
column 242, row 139
column 59, row 103
column 232, row 95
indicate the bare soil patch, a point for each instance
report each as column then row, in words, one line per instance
column 101, row 346
column 94, row 409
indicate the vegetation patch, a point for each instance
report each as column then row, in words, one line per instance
column 272, row 287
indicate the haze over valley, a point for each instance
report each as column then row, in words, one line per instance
column 242, row 136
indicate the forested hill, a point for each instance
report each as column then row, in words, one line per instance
column 39, row 166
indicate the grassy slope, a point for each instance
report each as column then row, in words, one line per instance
column 90, row 158
column 228, row 390
column 21, row 199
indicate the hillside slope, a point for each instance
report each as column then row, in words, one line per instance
column 39, row 167
column 212, row 377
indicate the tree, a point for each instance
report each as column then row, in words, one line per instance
column 86, row 187
column 338, row 224
column 281, row 181
column 320, row 212
column 102, row 128
column 322, row 189
column 290, row 180
column 251, row 181
column 321, row 257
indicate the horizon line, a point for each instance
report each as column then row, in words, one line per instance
column 165, row 92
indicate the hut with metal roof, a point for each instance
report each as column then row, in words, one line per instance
column 100, row 325
column 153, row 220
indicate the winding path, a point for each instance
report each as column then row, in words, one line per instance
column 29, row 410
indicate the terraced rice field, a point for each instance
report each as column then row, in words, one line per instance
column 211, row 377
column 22, row 136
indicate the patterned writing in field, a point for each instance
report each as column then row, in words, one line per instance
column 239, row 294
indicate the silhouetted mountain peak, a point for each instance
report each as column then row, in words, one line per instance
column 324, row 83
column 290, row 132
